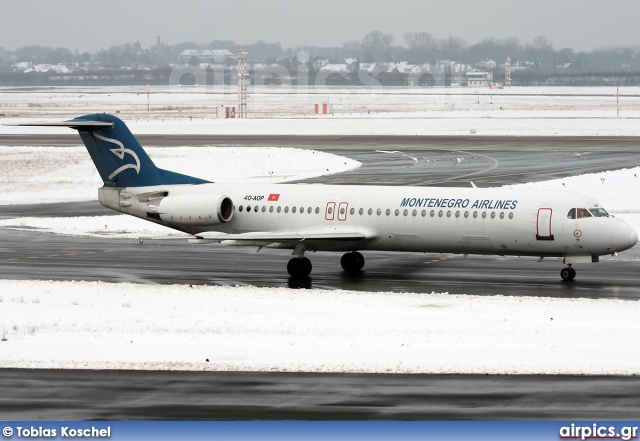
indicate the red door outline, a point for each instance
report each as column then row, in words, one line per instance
column 330, row 211
column 343, row 206
column 543, row 224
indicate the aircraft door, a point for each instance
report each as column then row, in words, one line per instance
column 543, row 224
column 330, row 211
column 342, row 211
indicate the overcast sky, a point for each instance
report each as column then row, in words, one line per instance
column 89, row 26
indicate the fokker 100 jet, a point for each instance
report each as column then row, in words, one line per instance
column 349, row 218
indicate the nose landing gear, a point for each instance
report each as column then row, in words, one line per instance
column 568, row 274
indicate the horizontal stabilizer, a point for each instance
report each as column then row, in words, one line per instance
column 77, row 125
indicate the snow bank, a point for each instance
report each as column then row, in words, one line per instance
column 128, row 326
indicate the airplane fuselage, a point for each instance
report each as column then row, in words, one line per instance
column 419, row 219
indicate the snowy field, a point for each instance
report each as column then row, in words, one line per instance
column 519, row 111
column 30, row 175
column 99, row 325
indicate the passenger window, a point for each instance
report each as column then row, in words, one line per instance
column 286, row 209
column 433, row 213
column 352, row 211
column 440, row 213
column 502, row 215
column 415, row 213
column 510, row 215
column 361, row 212
column 370, row 211
column 379, row 212
column 457, row 214
column 293, row 209
column 388, row 212
column 279, row 208
column 309, row 210
column 301, row 210
column 405, row 212
column 493, row 215
column 264, row 209
column 271, row 209
column 466, row 214
column 475, row 214
column 317, row 210
column 424, row 213
column 484, row 214
column 240, row 208
column 448, row 213
column 248, row 208
column 397, row 212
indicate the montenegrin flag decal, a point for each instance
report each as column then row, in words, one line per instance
column 273, row 197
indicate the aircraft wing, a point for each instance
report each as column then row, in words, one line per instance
column 266, row 238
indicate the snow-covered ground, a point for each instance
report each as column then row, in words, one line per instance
column 30, row 175
column 519, row 111
column 100, row 325
column 128, row 326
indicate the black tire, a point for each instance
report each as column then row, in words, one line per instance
column 568, row 274
column 307, row 266
column 346, row 262
column 358, row 261
column 296, row 267
column 352, row 262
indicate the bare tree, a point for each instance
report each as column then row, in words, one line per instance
column 376, row 45
column 421, row 46
column 453, row 47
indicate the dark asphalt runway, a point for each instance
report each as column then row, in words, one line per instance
column 402, row 161
column 144, row 395
column 34, row 255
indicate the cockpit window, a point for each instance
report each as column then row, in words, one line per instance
column 572, row 213
column 582, row 212
column 599, row 212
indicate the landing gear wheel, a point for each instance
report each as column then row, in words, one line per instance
column 352, row 262
column 299, row 267
column 568, row 274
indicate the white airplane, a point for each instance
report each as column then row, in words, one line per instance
column 349, row 218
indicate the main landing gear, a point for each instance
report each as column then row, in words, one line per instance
column 352, row 262
column 300, row 266
column 568, row 274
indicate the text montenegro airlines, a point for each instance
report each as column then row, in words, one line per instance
column 480, row 204
column 63, row 432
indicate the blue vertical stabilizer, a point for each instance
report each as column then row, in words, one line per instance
column 119, row 157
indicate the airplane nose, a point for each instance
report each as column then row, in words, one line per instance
column 627, row 238
column 633, row 237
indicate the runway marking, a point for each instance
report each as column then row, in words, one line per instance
column 496, row 163
column 52, row 255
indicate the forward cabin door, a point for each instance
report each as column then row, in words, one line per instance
column 543, row 224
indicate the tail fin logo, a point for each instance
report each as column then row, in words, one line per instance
column 120, row 152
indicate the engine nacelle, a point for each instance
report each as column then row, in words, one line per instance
column 197, row 209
